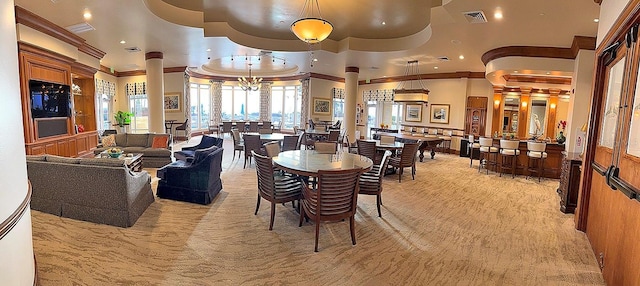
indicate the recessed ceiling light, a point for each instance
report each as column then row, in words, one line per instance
column 435, row 68
column 596, row 20
column 461, row 57
column 456, row 42
column 548, row 72
column 86, row 15
column 384, row 23
column 541, row 14
column 123, row 42
column 315, row 60
column 498, row 14
column 515, row 71
column 208, row 50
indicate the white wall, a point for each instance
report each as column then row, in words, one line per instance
column 174, row 82
column 16, row 248
column 610, row 10
column 321, row 88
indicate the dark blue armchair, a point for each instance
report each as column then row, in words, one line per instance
column 196, row 181
column 187, row 153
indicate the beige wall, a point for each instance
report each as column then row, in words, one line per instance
column 321, row 88
column 174, row 82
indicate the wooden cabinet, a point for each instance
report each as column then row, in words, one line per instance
column 476, row 116
column 83, row 103
column 569, row 182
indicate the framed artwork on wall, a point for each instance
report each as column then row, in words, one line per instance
column 172, row 101
column 322, row 106
column 440, row 113
column 413, row 113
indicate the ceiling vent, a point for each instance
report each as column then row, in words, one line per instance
column 475, row 17
column 132, row 49
column 443, row 59
column 80, row 28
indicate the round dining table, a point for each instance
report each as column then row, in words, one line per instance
column 308, row 162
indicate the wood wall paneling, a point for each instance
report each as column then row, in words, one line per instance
column 496, row 122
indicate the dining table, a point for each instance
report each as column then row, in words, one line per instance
column 308, row 162
column 424, row 142
column 269, row 137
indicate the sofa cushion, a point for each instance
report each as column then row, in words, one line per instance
column 160, row 141
column 137, row 140
column 109, row 141
column 201, row 154
column 36, row 158
column 121, row 139
column 108, row 162
column 134, row 149
column 60, row 159
column 156, row 152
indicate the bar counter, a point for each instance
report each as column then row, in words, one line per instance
column 552, row 164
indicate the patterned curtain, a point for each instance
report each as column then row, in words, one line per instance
column 216, row 102
column 378, row 95
column 105, row 87
column 187, row 102
column 265, row 101
column 304, row 105
column 136, row 88
column 337, row 92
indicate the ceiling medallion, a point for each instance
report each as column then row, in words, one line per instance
column 410, row 94
column 309, row 28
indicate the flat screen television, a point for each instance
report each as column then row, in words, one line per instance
column 49, row 99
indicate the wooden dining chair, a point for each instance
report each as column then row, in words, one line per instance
column 226, row 127
column 254, row 126
column 273, row 187
column 241, row 126
column 367, row 148
column 291, row 142
column 406, row 159
column 387, row 139
column 333, row 198
column 251, row 143
column 333, row 135
column 182, row 127
column 238, row 144
column 371, row 181
column 326, row 147
column 265, row 131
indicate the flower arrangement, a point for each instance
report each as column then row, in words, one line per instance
column 562, row 125
column 114, row 152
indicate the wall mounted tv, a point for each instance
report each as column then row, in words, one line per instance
column 49, row 99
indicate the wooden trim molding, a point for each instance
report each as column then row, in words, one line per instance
column 32, row 49
column 108, row 71
column 460, row 74
column 153, row 55
column 83, row 70
column 579, row 43
column 8, row 224
column 29, row 19
column 195, row 74
column 174, row 69
column 352, row 69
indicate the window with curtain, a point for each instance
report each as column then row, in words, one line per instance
column 240, row 105
column 200, row 110
column 286, row 105
column 139, row 106
column 105, row 91
column 338, row 109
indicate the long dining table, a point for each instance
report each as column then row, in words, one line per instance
column 308, row 162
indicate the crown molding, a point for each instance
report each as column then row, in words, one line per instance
column 579, row 43
column 460, row 74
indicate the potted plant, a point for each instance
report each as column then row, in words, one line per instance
column 123, row 118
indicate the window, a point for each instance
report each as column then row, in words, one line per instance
column 139, row 105
column 286, row 105
column 200, row 102
column 103, row 107
column 238, row 104
column 338, row 109
column 396, row 116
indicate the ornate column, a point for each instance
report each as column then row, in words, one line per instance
column 155, row 91
column 304, row 105
column 216, row 102
column 525, row 96
column 553, row 106
column 350, row 95
column 187, row 100
column 496, row 120
column 265, row 101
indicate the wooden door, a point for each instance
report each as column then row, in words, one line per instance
column 612, row 179
column 476, row 116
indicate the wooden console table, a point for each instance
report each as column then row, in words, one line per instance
column 569, row 181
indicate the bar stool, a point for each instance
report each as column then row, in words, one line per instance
column 472, row 146
column 509, row 154
column 486, row 152
column 446, row 141
column 536, row 153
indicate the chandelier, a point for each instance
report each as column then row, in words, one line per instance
column 251, row 83
column 409, row 94
column 309, row 28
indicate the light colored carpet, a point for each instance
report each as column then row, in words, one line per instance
column 451, row 226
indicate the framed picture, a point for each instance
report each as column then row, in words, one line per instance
column 322, row 106
column 172, row 102
column 413, row 113
column 440, row 113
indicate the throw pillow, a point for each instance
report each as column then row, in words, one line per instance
column 160, row 142
column 109, row 141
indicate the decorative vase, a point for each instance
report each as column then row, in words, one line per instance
column 561, row 139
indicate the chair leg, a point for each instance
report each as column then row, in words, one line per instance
column 379, row 202
column 317, row 233
column 257, row 205
column 480, row 161
column 301, row 213
column 353, row 229
column 413, row 172
column 273, row 215
column 400, row 174
column 540, row 167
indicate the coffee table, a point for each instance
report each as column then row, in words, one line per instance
column 132, row 160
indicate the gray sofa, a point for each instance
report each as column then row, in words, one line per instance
column 100, row 190
column 141, row 143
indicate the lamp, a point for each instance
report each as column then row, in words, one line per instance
column 309, row 28
column 251, row 84
column 411, row 94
